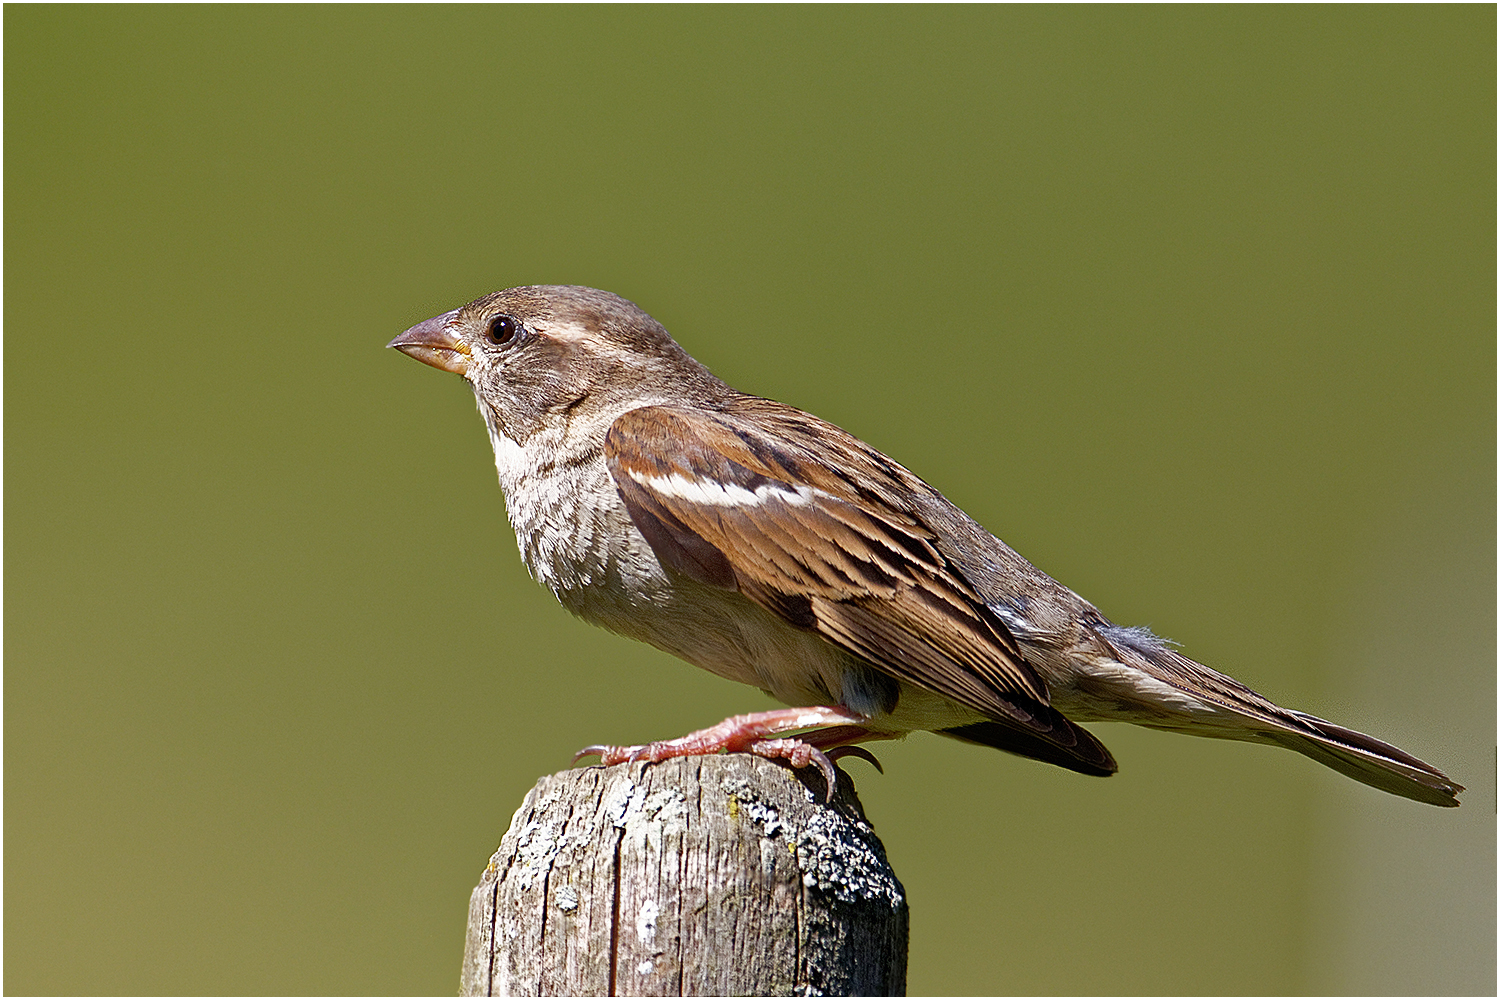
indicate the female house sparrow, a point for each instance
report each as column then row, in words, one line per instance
column 773, row 548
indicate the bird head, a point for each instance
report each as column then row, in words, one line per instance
column 538, row 353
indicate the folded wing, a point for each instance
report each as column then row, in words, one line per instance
column 758, row 507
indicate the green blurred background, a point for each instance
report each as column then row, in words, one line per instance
column 1194, row 307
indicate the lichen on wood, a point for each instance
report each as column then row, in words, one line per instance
column 723, row 875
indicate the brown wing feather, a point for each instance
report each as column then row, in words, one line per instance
column 1087, row 756
column 731, row 506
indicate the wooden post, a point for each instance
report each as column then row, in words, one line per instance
column 707, row 876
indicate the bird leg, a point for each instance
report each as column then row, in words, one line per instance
column 832, row 728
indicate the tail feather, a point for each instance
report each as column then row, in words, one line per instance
column 1366, row 759
column 1245, row 715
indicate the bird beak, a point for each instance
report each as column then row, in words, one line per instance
column 433, row 343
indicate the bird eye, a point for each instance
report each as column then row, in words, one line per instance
column 503, row 329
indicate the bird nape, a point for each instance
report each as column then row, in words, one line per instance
column 770, row 547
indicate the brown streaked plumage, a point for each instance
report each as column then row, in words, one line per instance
column 826, row 545
column 773, row 548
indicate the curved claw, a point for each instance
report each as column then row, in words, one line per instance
column 830, row 775
column 799, row 754
column 608, row 755
column 839, row 753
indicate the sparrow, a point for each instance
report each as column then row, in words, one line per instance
column 773, row 548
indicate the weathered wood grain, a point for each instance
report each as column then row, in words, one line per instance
column 717, row 876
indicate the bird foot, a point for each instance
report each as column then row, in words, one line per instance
column 833, row 727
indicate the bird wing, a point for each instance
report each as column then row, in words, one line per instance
column 808, row 522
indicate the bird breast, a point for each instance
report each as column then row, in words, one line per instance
column 566, row 513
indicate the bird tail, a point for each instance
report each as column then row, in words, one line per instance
column 1245, row 715
column 1366, row 759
